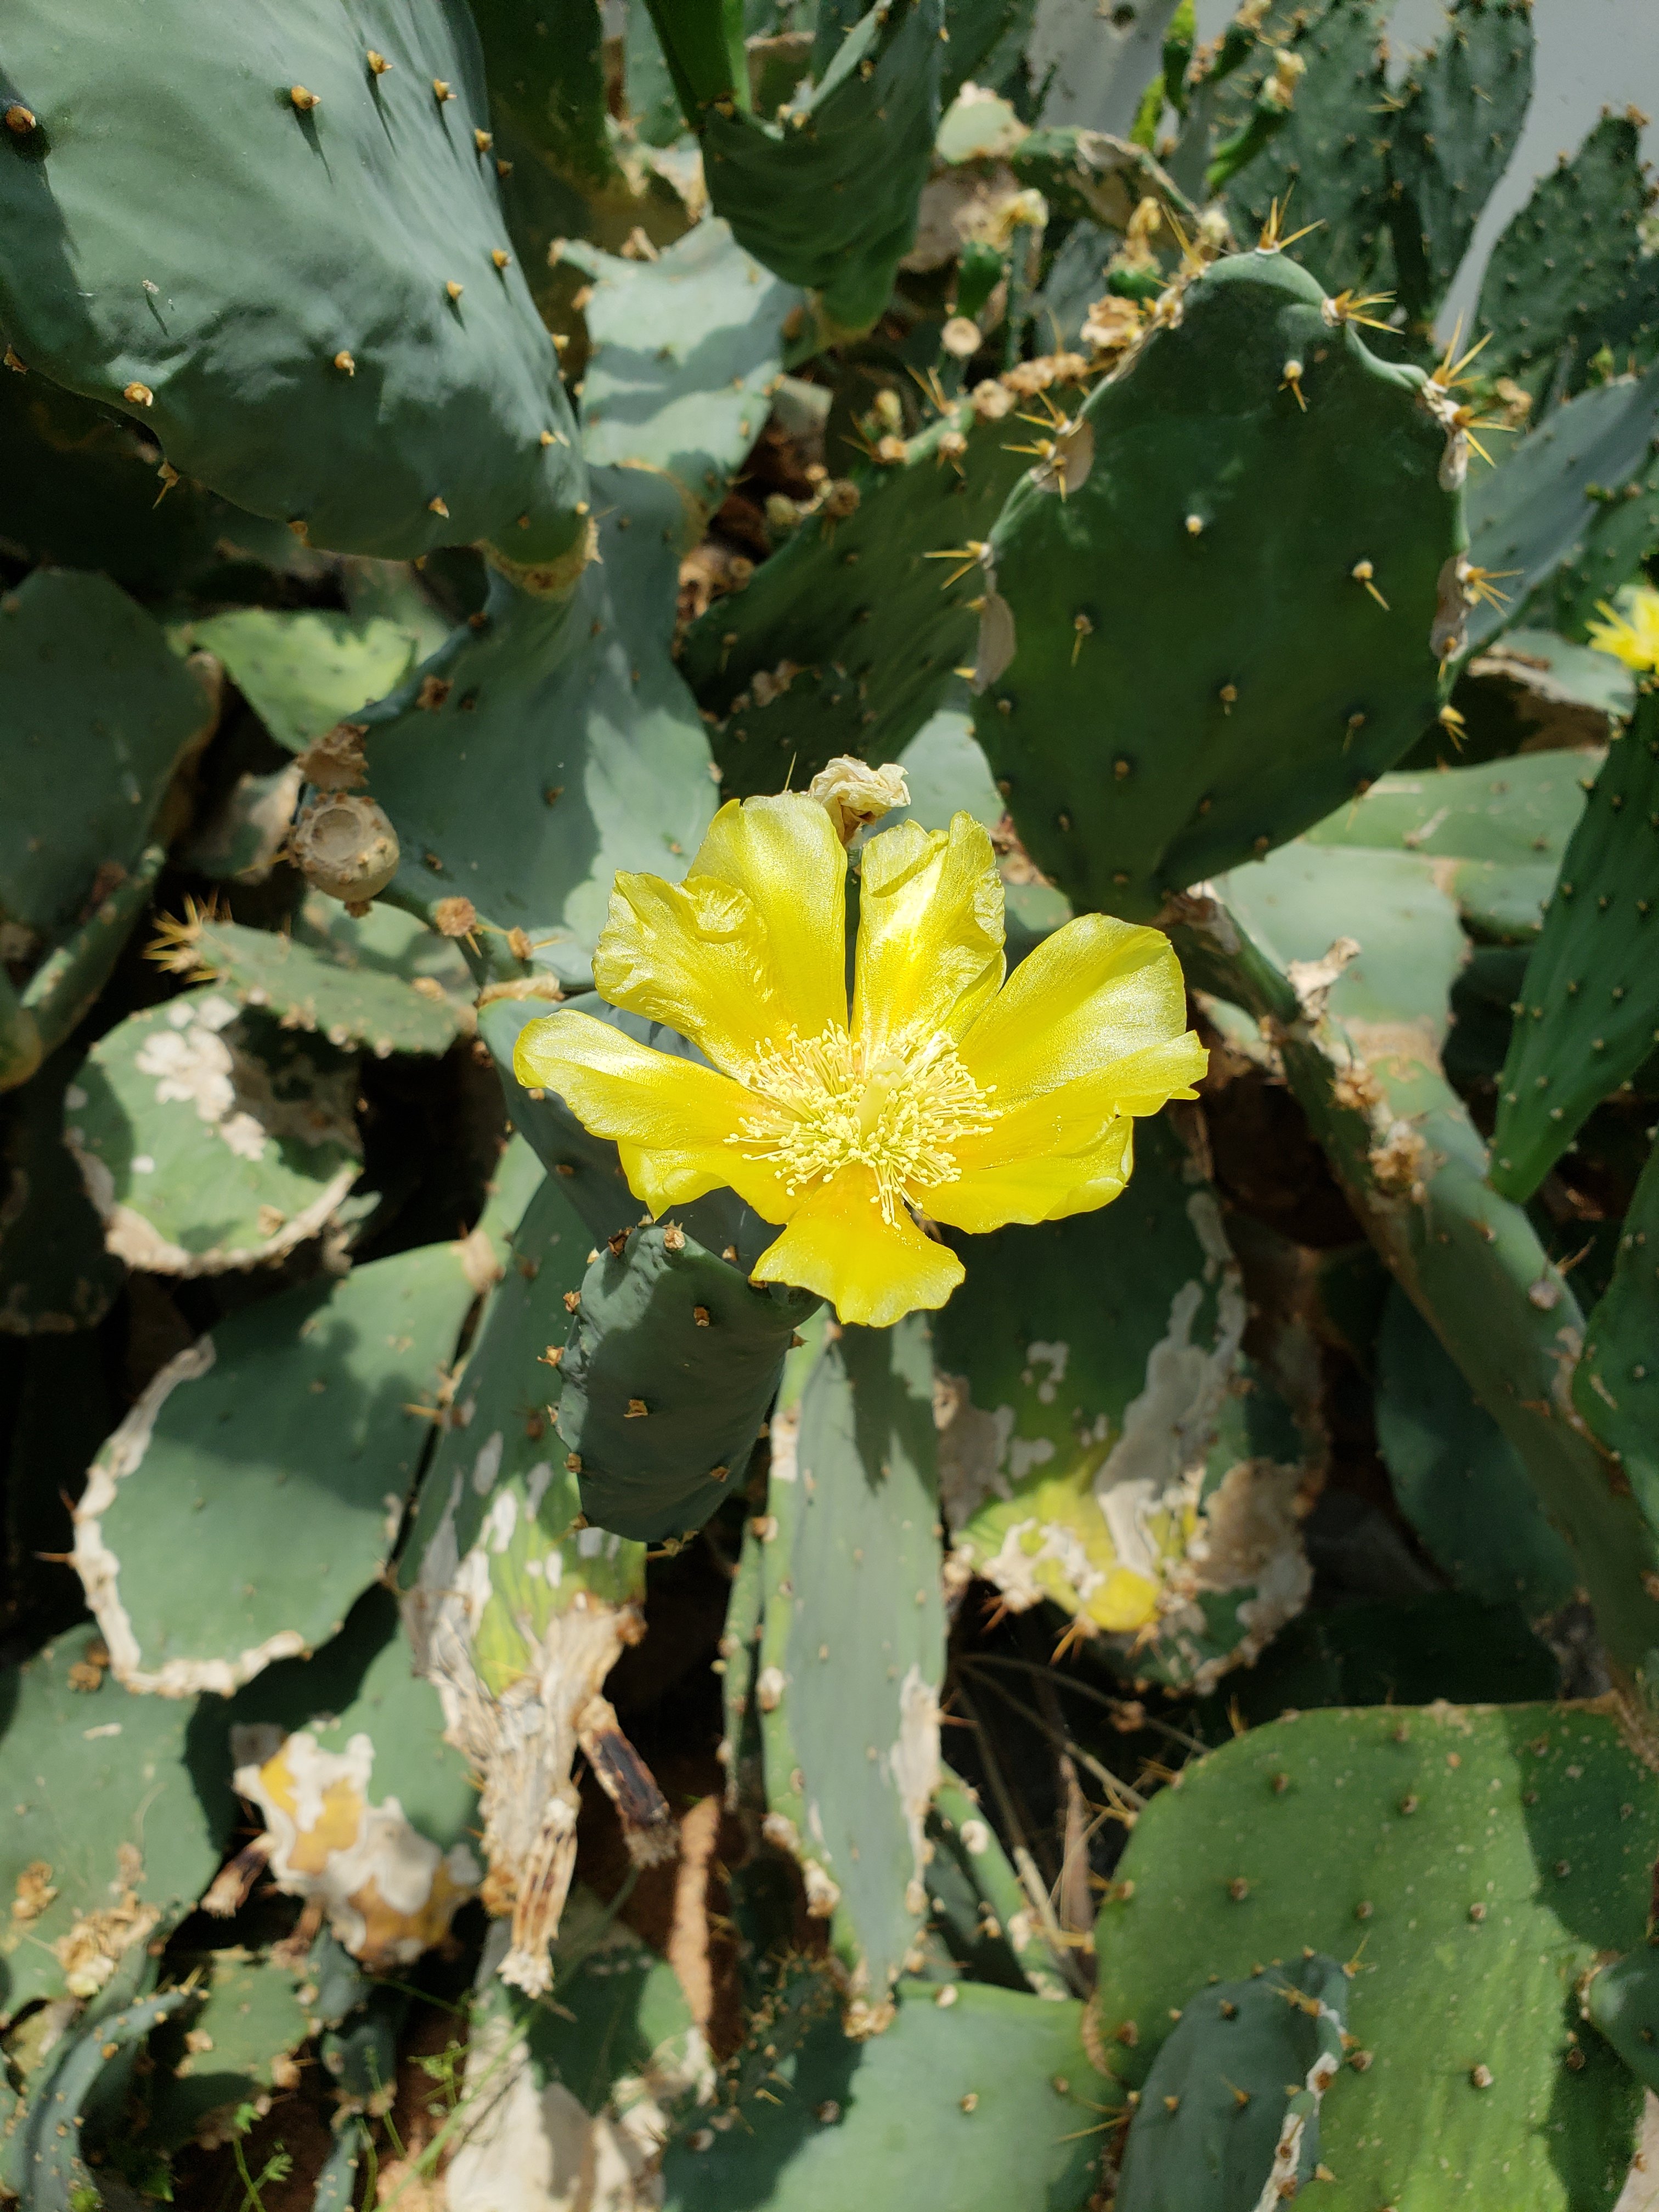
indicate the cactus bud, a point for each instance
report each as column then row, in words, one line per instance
column 344, row 846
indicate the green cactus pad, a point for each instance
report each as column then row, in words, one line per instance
column 1229, row 2114
column 44, row 2158
column 1328, row 164
column 303, row 672
column 1456, row 1477
column 1465, row 102
column 977, row 1902
column 245, row 2003
column 497, row 1495
column 1363, row 1062
column 209, row 1139
column 1615, row 1385
column 330, row 981
column 55, row 1273
column 1469, row 1864
column 855, row 630
column 636, row 1341
column 290, row 1438
column 683, row 350
column 516, row 1609
column 81, row 493
column 980, row 2098
column 565, row 746
column 261, row 276
column 1556, row 509
column 549, row 89
column 827, row 196
column 852, row 1652
column 1590, row 995
column 1114, row 1470
column 102, row 1813
column 1285, row 686
column 101, row 711
column 1568, row 275
column 1503, row 826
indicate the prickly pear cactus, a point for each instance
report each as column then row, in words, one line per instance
column 503, row 1704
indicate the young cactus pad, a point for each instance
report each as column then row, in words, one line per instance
column 1211, row 617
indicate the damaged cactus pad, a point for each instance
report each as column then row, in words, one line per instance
column 829, row 1107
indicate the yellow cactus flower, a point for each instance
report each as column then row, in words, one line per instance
column 1630, row 633
column 947, row 1094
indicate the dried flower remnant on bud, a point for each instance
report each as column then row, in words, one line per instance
column 855, row 794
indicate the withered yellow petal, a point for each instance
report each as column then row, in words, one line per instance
column 930, row 932
column 1095, row 992
column 669, row 1118
column 872, row 1272
column 783, row 854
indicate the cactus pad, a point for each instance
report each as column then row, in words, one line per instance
column 669, row 1371
column 210, row 1138
column 1616, row 1384
column 367, row 1810
column 329, row 980
column 101, row 711
column 1229, row 2114
column 1568, row 275
column 852, row 1651
column 107, row 1838
column 1468, row 1862
column 683, row 351
column 289, row 1440
column 1138, row 1474
column 1589, row 1010
column 1456, row 1477
column 828, row 195
column 552, row 744
column 1559, row 509
column 847, row 638
column 303, row 672
column 1465, row 102
column 975, row 2098
column 1300, row 664
column 307, row 296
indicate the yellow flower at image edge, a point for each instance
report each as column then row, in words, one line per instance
column 975, row 1101
column 1631, row 632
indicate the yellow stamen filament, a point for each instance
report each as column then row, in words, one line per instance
column 826, row 1105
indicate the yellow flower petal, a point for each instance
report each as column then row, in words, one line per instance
column 695, row 955
column 669, row 1117
column 1096, row 991
column 783, row 854
column 1031, row 1184
column 930, row 932
column 874, row 1274
column 1631, row 635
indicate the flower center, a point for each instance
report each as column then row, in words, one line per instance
column 832, row 1105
